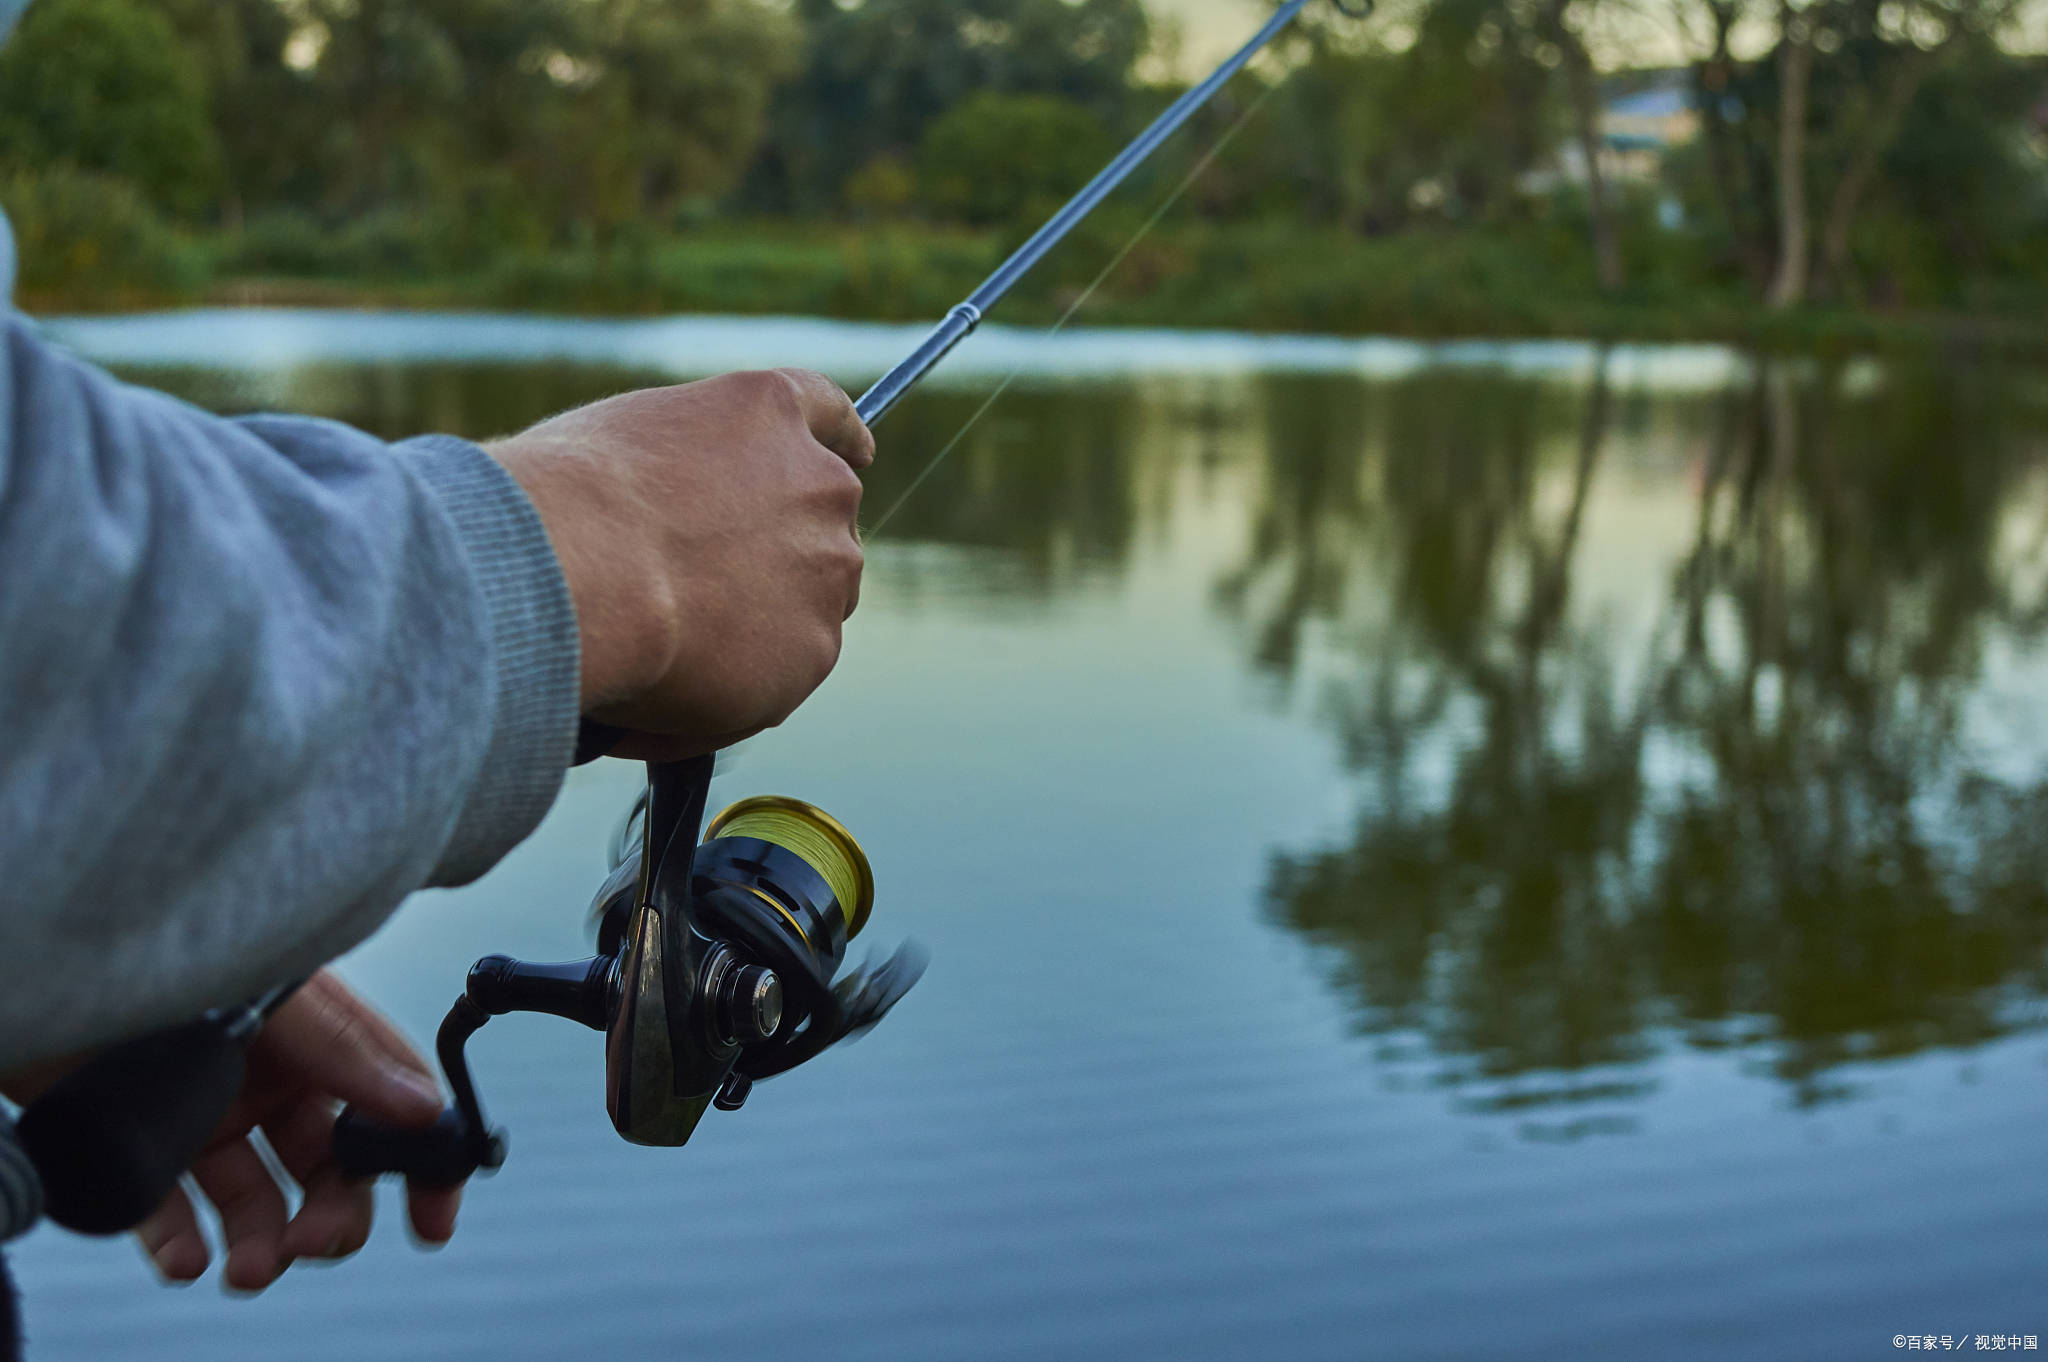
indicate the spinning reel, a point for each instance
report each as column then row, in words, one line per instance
column 718, row 964
column 716, row 967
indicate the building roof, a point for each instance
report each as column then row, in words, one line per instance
column 1662, row 102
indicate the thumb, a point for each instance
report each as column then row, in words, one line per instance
column 333, row 1042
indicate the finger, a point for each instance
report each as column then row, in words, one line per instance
column 829, row 412
column 333, row 1218
column 376, row 1028
column 173, row 1240
column 432, row 1211
column 252, row 1211
column 333, row 1042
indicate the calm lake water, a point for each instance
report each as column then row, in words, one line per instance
column 1459, row 852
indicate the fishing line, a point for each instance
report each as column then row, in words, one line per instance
column 1187, row 182
column 821, row 843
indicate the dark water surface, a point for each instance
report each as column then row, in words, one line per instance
column 1481, row 852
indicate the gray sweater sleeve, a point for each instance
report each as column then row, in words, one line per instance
column 259, row 680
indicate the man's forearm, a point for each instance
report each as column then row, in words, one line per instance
column 258, row 680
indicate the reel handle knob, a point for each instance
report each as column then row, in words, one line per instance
column 440, row 1155
column 456, row 1145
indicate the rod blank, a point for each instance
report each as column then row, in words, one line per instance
column 965, row 316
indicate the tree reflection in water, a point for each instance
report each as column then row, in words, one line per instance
column 1753, row 794
column 1765, row 813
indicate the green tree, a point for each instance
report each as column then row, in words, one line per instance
column 691, row 84
column 876, row 74
column 1009, row 158
column 1376, row 140
column 487, row 123
column 1802, row 140
column 395, row 69
column 267, row 114
column 105, row 86
column 1959, row 198
column 1563, row 25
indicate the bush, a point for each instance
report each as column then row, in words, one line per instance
column 1007, row 159
column 391, row 244
column 284, row 242
column 104, row 85
column 399, row 243
column 905, row 276
column 93, row 239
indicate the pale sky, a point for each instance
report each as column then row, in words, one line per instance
column 1629, row 36
column 1212, row 29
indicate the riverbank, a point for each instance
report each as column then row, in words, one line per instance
column 1252, row 278
column 259, row 344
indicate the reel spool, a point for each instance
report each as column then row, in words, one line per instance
column 717, row 965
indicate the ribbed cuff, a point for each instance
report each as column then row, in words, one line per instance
column 533, row 643
column 21, row 1191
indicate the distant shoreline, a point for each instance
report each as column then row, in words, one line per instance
column 259, row 339
column 1254, row 280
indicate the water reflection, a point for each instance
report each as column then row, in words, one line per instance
column 1674, row 715
column 1614, row 736
column 1744, row 798
column 1046, row 475
column 1045, row 478
column 402, row 398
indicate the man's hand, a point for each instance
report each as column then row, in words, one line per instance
column 322, row 1048
column 708, row 535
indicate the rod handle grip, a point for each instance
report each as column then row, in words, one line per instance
column 111, row 1138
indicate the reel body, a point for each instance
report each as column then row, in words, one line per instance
column 718, row 964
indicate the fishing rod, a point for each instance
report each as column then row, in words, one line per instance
column 718, row 958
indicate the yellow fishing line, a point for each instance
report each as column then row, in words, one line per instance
column 821, row 847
